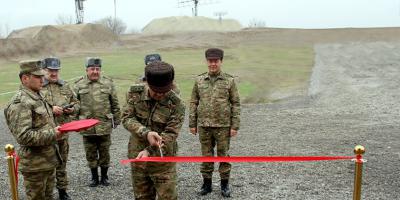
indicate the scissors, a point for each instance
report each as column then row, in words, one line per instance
column 159, row 148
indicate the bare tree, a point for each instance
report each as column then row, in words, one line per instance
column 64, row 19
column 256, row 23
column 1, row 31
column 116, row 25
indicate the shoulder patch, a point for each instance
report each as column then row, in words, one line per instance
column 67, row 84
column 174, row 98
column 60, row 82
column 108, row 78
column 17, row 97
column 228, row 75
column 202, row 74
column 79, row 79
column 137, row 88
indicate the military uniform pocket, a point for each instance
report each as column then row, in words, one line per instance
column 222, row 91
column 83, row 95
column 104, row 98
column 40, row 117
column 161, row 117
column 203, row 89
column 142, row 114
column 83, row 91
column 66, row 92
column 105, row 91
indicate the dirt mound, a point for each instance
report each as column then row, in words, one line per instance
column 257, row 36
column 190, row 24
column 60, row 38
column 14, row 47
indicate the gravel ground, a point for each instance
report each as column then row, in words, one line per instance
column 352, row 99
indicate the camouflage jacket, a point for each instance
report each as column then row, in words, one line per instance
column 142, row 114
column 60, row 94
column 30, row 120
column 215, row 103
column 98, row 100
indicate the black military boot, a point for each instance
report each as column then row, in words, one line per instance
column 95, row 177
column 225, row 188
column 104, row 177
column 63, row 194
column 207, row 186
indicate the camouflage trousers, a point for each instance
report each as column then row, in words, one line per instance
column 39, row 185
column 209, row 138
column 148, row 187
column 61, row 170
column 97, row 150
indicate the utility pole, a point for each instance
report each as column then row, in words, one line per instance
column 115, row 9
column 196, row 2
column 115, row 16
column 219, row 15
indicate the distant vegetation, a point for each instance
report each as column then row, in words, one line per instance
column 116, row 25
column 65, row 19
column 257, row 23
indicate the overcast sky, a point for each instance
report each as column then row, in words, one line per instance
column 16, row 14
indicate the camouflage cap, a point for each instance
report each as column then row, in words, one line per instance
column 52, row 63
column 159, row 76
column 151, row 58
column 214, row 53
column 34, row 67
column 93, row 61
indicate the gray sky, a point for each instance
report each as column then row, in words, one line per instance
column 16, row 14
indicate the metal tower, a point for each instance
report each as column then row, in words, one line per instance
column 79, row 11
column 196, row 3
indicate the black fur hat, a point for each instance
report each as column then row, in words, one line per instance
column 159, row 76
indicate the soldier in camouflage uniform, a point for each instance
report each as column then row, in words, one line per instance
column 30, row 120
column 154, row 115
column 98, row 100
column 147, row 60
column 153, row 58
column 215, row 115
column 64, row 102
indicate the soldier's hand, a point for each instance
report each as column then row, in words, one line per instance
column 57, row 110
column 143, row 154
column 193, row 131
column 233, row 133
column 58, row 133
column 154, row 139
column 68, row 110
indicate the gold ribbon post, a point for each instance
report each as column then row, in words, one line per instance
column 359, row 151
column 11, row 170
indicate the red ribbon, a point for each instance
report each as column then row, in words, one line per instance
column 238, row 159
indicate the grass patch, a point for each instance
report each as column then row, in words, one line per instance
column 260, row 69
